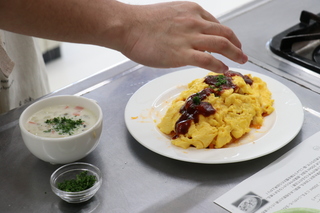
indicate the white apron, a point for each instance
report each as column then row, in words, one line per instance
column 23, row 77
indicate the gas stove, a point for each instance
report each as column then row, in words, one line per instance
column 282, row 37
column 300, row 43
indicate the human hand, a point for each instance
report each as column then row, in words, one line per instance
column 171, row 34
column 176, row 34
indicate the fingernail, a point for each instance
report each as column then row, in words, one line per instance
column 244, row 58
column 224, row 69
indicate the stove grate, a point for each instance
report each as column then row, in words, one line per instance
column 301, row 43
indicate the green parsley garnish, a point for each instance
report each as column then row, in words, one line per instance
column 82, row 182
column 63, row 125
column 221, row 79
column 196, row 99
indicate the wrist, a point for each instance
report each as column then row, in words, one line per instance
column 116, row 29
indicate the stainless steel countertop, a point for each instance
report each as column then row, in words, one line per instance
column 135, row 179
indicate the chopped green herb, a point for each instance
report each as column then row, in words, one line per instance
column 221, row 79
column 196, row 99
column 82, row 182
column 63, row 125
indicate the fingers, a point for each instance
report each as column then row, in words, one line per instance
column 217, row 29
column 178, row 34
column 220, row 39
column 221, row 45
column 211, row 36
column 205, row 61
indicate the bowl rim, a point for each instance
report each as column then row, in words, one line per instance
column 99, row 118
column 95, row 187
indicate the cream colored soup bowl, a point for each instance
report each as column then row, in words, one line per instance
column 67, row 149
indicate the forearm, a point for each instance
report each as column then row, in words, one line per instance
column 170, row 34
column 97, row 22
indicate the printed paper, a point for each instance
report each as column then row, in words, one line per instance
column 291, row 181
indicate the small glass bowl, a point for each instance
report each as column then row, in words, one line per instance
column 69, row 171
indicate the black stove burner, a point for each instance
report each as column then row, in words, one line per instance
column 316, row 55
column 300, row 43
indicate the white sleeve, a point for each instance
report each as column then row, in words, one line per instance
column 28, row 79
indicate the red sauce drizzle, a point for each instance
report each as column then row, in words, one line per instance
column 246, row 78
column 191, row 111
column 195, row 105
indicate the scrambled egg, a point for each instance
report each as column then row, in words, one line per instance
column 236, row 110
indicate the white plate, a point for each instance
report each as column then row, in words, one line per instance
column 299, row 210
column 148, row 105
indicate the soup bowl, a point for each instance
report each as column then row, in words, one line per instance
column 65, row 149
